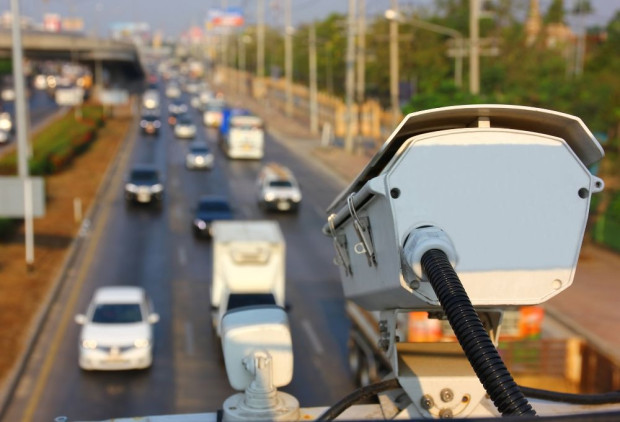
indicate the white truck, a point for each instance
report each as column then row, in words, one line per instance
column 248, row 266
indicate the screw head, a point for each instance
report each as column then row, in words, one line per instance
column 446, row 395
column 427, row 402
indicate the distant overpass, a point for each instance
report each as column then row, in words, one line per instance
column 120, row 59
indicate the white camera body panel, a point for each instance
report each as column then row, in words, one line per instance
column 262, row 329
column 511, row 195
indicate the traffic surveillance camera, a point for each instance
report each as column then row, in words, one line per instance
column 505, row 189
column 464, row 210
column 258, row 355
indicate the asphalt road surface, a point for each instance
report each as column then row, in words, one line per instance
column 155, row 249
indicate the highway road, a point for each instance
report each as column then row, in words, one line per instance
column 139, row 245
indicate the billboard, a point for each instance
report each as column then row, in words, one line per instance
column 73, row 24
column 229, row 17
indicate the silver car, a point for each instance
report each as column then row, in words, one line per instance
column 199, row 157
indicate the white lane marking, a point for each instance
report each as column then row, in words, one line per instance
column 320, row 211
column 314, row 338
column 189, row 338
column 182, row 256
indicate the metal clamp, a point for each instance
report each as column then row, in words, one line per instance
column 362, row 228
column 341, row 249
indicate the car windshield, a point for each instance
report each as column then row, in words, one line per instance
column 199, row 150
column 185, row 120
column 150, row 118
column 213, row 206
column 280, row 184
column 144, row 176
column 117, row 313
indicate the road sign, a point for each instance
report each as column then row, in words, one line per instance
column 12, row 197
column 114, row 96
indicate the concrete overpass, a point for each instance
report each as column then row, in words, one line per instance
column 121, row 60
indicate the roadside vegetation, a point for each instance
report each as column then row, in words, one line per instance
column 54, row 149
column 22, row 290
column 539, row 69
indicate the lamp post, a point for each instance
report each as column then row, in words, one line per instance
column 474, row 47
column 392, row 15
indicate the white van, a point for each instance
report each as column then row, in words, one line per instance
column 277, row 189
column 245, row 138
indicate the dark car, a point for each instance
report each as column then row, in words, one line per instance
column 150, row 124
column 209, row 209
column 175, row 109
column 144, row 185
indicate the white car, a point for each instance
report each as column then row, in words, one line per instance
column 184, row 128
column 173, row 91
column 277, row 189
column 117, row 330
column 6, row 122
column 199, row 157
column 4, row 136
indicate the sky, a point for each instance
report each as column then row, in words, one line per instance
column 175, row 16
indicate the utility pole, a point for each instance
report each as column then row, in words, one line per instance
column 361, row 63
column 260, row 39
column 350, row 77
column 361, row 51
column 21, row 130
column 224, row 45
column 474, row 47
column 314, row 107
column 394, row 94
column 288, row 53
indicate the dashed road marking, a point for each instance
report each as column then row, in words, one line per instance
column 182, row 256
column 189, row 338
column 314, row 338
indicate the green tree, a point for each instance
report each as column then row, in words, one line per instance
column 555, row 14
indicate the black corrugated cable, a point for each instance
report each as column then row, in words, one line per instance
column 358, row 395
column 475, row 341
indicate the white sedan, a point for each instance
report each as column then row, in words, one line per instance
column 185, row 128
column 117, row 330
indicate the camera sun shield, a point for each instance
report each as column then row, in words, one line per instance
column 509, row 187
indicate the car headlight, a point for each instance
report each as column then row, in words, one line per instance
column 296, row 197
column 157, row 188
column 131, row 187
column 89, row 344
column 200, row 224
column 269, row 196
column 157, row 124
column 141, row 343
column 143, row 123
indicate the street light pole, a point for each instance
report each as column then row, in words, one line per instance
column 314, row 107
column 361, row 51
column 260, row 39
column 394, row 94
column 21, row 130
column 288, row 53
column 474, row 47
column 350, row 78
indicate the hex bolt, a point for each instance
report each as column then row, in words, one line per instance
column 446, row 414
column 446, row 395
column 427, row 402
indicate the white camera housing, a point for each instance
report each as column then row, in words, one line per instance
column 249, row 330
column 508, row 185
